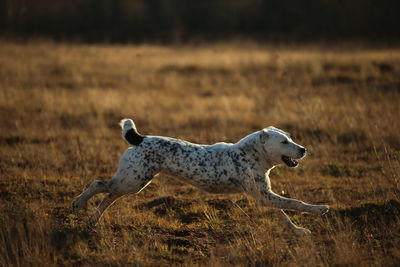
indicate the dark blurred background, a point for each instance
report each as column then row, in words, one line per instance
column 184, row 20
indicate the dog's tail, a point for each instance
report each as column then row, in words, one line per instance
column 129, row 132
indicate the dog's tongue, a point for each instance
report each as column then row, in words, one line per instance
column 289, row 161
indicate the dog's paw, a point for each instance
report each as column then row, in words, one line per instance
column 299, row 231
column 322, row 209
column 77, row 205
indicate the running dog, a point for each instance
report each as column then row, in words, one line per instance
column 219, row 168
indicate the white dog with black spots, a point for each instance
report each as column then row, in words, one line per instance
column 219, row 168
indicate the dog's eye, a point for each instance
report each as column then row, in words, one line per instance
column 285, row 142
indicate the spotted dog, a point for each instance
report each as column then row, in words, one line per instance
column 218, row 168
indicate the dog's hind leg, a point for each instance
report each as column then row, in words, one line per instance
column 104, row 204
column 95, row 188
column 120, row 187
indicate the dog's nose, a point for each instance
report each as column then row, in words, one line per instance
column 303, row 151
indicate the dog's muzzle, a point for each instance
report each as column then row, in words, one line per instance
column 291, row 162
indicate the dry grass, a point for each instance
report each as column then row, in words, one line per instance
column 59, row 108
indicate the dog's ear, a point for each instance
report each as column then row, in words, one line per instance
column 264, row 136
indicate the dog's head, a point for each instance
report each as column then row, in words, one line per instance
column 279, row 147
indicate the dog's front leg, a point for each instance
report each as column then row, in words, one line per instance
column 269, row 198
column 262, row 192
column 300, row 231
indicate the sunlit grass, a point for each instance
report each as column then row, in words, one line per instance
column 60, row 105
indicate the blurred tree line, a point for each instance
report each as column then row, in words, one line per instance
column 182, row 20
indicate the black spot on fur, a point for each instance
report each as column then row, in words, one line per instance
column 133, row 137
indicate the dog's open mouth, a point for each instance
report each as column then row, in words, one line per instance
column 289, row 161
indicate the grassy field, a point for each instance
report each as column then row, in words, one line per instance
column 60, row 105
